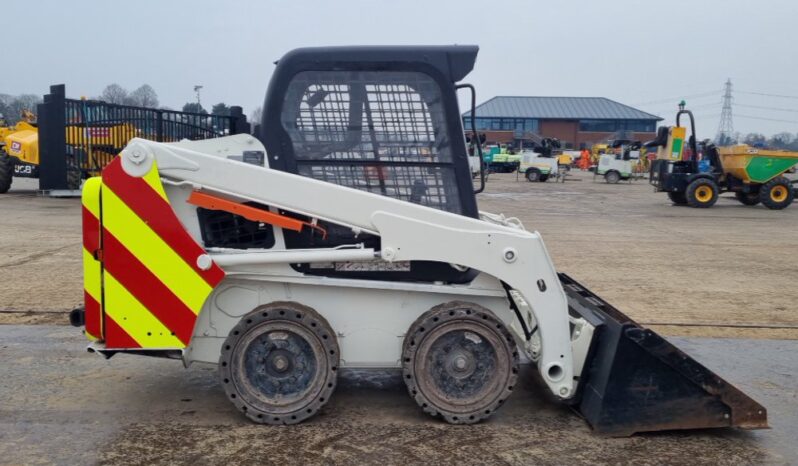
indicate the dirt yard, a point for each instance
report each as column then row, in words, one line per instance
column 720, row 272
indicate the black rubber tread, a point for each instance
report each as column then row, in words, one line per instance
column 678, row 197
column 694, row 186
column 612, row 177
column 6, row 171
column 747, row 198
column 544, row 178
column 439, row 315
column 767, row 201
column 281, row 312
column 532, row 174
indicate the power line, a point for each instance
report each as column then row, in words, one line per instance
column 766, row 119
column 676, row 99
column 781, row 96
column 778, row 109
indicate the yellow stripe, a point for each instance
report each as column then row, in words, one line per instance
column 91, row 195
column 91, row 276
column 153, row 252
column 92, row 283
column 135, row 319
column 92, row 269
column 154, row 180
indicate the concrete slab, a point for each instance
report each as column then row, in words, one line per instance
column 59, row 404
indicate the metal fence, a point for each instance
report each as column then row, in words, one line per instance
column 77, row 138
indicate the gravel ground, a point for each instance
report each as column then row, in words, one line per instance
column 61, row 405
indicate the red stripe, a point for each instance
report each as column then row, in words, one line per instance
column 92, row 315
column 147, row 288
column 91, row 231
column 116, row 336
column 159, row 216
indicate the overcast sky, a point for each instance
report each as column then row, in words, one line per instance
column 634, row 52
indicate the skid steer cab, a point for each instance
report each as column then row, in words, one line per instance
column 696, row 174
column 352, row 239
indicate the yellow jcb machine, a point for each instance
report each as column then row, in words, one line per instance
column 86, row 145
column 19, row 149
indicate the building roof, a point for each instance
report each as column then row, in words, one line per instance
column 559, row 108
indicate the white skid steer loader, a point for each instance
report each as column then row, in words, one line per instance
column 347, row 236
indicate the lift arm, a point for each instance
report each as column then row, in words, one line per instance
column 409, row 232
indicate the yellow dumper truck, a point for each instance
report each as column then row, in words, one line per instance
column 753, row 174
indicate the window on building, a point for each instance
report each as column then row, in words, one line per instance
column 502, row 124
column 638, row 126
column 601, row 126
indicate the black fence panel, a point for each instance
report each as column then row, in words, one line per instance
column 81, row 137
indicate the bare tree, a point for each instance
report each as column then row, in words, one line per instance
column 144, row 96
column 12, row 106
column 115, row 94
column 754, row 138
column 781, row 140
column 256, row 115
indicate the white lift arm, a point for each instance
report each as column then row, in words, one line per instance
column 408, row 231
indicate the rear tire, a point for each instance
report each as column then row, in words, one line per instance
column 543, row 178
column 459, row 362
column 678, row 197
column 747, row 198
column 702, row 193
column 612, row 177
column 6, row 171
column 777, row 193
column 533, row 175
column 279, row 364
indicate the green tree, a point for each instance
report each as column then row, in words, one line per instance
column 194, row 107
column 220, row 109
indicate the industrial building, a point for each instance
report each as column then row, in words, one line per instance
column 576, row 121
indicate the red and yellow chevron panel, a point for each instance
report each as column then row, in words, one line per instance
column 152, row 287
column 92, row 268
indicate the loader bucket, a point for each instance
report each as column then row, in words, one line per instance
column 636, row 381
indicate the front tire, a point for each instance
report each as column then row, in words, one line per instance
column 459, row 362
column 702, row 193
column 279, row 364
column 533, row 175
column 777, row 193
column 612, row 177
column 6, row 171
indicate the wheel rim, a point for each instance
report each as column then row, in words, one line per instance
column 778, row 194
column 462, row 367
column 533, row 176
column 703, row 193
column 283, row 366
